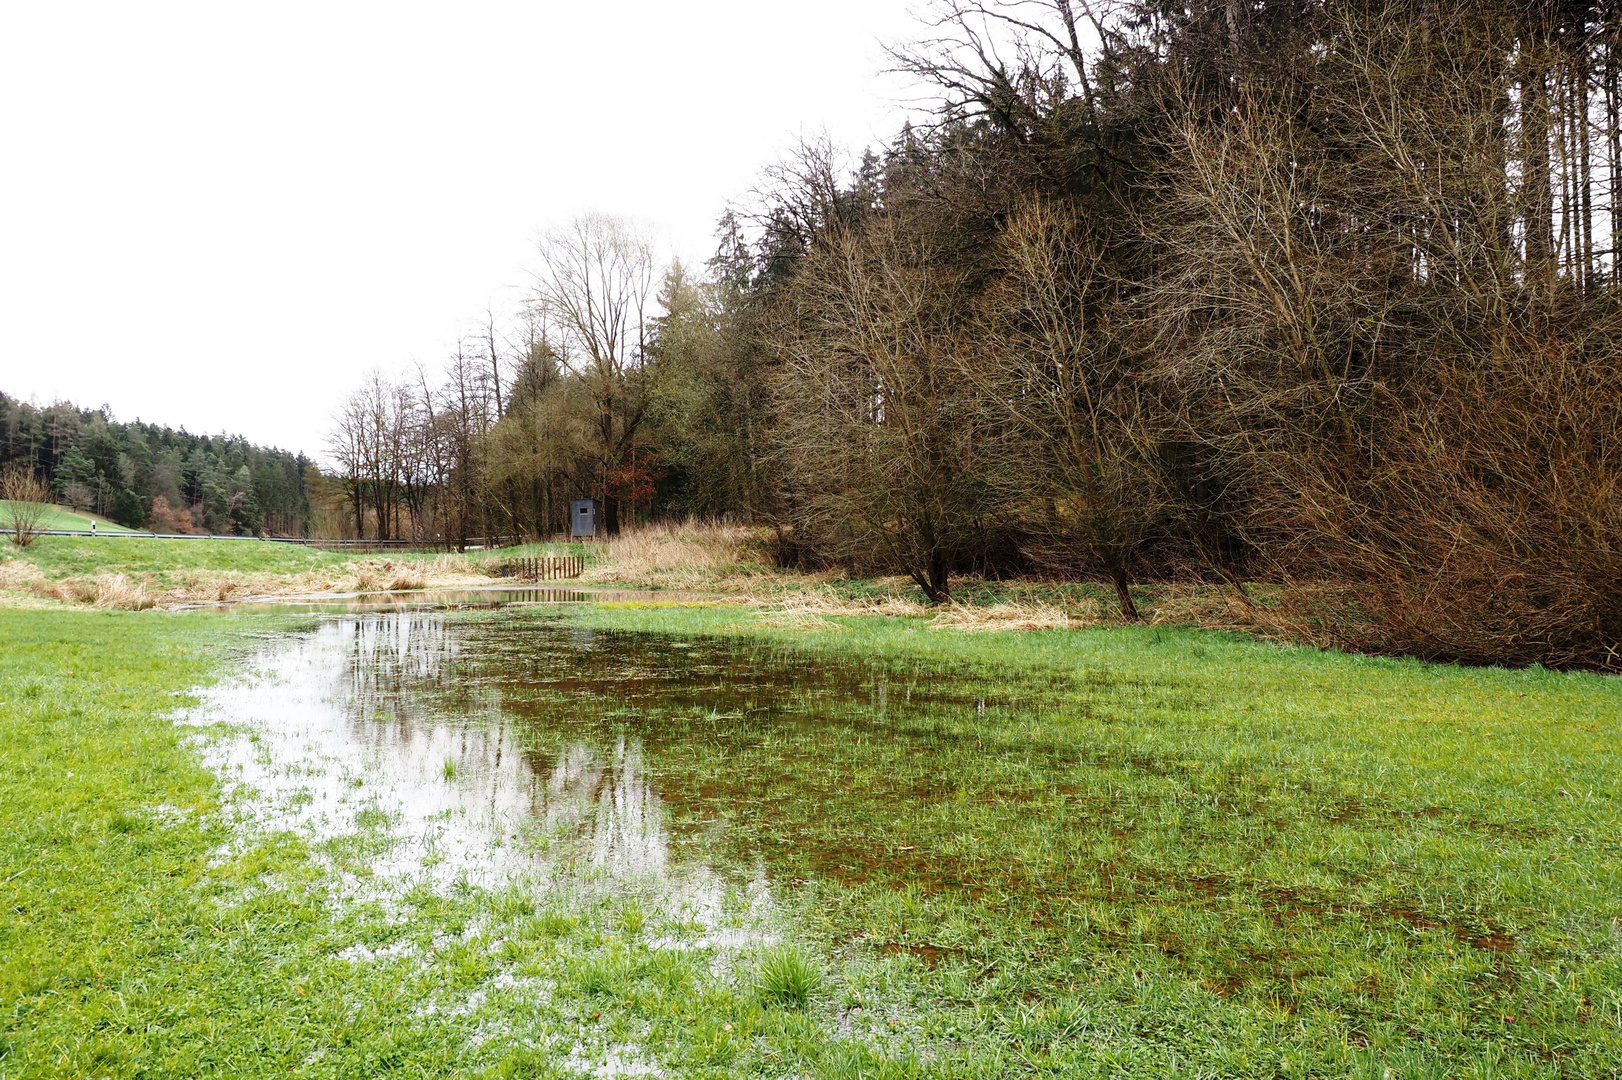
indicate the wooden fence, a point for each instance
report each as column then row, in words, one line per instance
column 544, row 568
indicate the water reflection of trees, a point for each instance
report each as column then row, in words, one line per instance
column 391, row 647
column 412, row 704
column 395, row 663
column 607, row 801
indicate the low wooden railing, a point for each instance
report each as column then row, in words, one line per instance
column 543, row 567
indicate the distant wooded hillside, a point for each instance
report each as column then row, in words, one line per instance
column 149, row 476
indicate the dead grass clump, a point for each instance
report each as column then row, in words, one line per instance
column 387, row 575
column 1015, row 615
column 19, row 576
column 407, row 578
column 1285, row 615
column 1208, row 607
column 119, row 593
column 26, row 578
column 823, row 602
column 687, row 553
column 23, row 585
column 365, row 578
column 796, row 620
column 449, row 567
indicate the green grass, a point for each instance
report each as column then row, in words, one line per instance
column 787, row 977
column 116, row 956
column 1120, row 850
column 60, row 517
column 137, row 939
column 1128, row 852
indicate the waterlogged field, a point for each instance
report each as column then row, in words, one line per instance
column 628, row 841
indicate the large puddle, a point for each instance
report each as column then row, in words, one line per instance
column 1027, row 838
column 713, row 776
column 445, row 748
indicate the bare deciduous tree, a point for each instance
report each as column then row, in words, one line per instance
column 595, row 289
column 27, row 502
column 1078, row 471
column 878, row 437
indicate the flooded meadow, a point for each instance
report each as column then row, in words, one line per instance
column 629, row 844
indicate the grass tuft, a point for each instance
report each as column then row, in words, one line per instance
column 786, row 977
column 633, row 917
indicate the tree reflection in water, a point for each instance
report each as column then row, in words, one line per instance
column 369, row 725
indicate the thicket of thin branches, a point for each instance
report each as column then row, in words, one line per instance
column 28, row 500
column 1322, row 295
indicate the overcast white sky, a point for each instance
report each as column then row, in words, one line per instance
column 221, row 215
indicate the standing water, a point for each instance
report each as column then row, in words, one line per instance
column 506, row 746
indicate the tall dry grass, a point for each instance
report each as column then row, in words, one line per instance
column 812, row 608
column 17, row 575
column 1018, row 615
column 689, row 554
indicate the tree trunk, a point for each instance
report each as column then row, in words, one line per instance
column 1585, row 170
column 1539, row 199
column 935, row 581
column 1123, row 592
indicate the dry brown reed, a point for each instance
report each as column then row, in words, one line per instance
column 388, row 576
column 1016, row 615
column 686, row 554
column 117, row 592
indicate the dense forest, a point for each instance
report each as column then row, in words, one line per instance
column 147, row 476
column 1237, row 290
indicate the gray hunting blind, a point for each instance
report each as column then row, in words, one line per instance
column 583, row 517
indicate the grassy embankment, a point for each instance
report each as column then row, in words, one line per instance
column 141, row 572
column 1106, row 852
column 60, row 517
